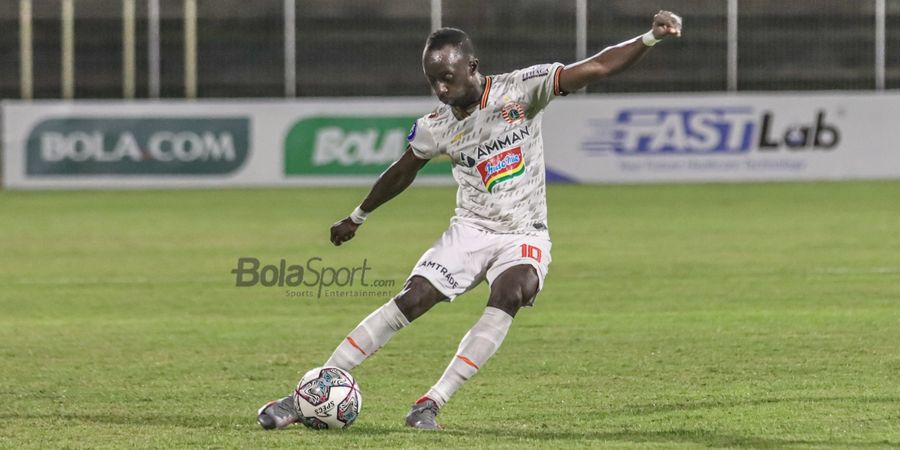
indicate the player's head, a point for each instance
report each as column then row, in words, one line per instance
column 451, row 67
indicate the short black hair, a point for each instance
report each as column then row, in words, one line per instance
column 448, row 36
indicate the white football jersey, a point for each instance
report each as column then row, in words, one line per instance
column 497, row 152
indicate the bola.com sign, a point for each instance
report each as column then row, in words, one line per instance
column 84, row 146
column 175, row 144
column 350, row 145
column 349, row 142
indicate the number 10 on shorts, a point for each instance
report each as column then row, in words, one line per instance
column 530, row 251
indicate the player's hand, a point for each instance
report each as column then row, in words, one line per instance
column 343, row 231
column 665, row 24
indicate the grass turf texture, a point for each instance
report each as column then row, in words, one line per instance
column 761, row 315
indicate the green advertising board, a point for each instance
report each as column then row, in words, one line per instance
column 355, row 145
column 76, row 146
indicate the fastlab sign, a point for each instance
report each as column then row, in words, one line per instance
column 137, row 146
column 354, row 145
column 711, row 131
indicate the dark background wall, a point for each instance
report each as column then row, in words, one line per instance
column 358, row 48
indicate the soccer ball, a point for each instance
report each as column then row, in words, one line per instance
column 327, row 398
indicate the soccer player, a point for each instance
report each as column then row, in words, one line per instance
column 490, row 127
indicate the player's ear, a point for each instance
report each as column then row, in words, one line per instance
column 473, row 65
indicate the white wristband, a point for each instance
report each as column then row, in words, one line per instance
column 649, row 39
column 358, row 216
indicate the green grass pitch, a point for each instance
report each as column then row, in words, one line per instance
column 674, row 316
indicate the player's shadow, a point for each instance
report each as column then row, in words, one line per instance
column 683, row 436
column 692, row 437
column 647, row 409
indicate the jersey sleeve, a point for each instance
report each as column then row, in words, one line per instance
column 421, row 140
column 541, row 83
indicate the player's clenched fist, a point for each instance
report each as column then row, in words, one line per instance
column 343, row 231
column 665, row 24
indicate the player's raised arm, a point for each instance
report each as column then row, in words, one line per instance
column 393, row 181
column 617, row 58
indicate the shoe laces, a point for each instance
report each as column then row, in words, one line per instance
column 428, row 405
column 286, row 406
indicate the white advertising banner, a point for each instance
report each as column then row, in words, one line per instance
column 208, row 143
column 674, row 138
column 331, row 142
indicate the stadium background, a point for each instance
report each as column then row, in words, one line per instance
column 350, row 48
column 755, row 315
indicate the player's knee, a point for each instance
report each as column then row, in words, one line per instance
column 512, row 299
column 514, row 289
column 417, row 297
column 509, row 302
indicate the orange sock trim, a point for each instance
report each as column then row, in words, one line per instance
column 356, row 346
column 467, row 361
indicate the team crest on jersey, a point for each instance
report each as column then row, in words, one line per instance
column 513, row 113
column 501, row 167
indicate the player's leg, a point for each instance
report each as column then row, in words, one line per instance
column 516, row 287
column 446, row 270
column 516, row 275
column 416, row 298
column 442, row 273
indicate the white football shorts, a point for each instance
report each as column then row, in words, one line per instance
column 464, row 256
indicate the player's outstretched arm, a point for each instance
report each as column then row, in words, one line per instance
column 617, row 58
column 393, row 181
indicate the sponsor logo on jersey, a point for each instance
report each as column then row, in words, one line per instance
column 75, row 146
column 466, row 160
column 442, row 270
column 513, row 113
column 502, row 167
column 708, row 130
column 536, row 72
column 505, row 141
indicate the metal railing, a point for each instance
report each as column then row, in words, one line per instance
column 437, row 13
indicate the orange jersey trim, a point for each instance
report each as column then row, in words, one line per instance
column 487, row 91
column 556, row 90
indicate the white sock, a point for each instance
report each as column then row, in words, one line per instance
column 369, row 336
column 476, row 347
